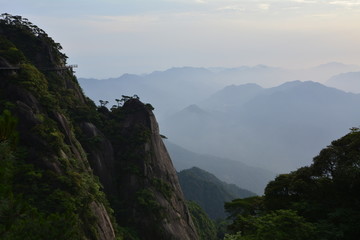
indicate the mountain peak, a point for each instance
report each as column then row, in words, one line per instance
column 333, row 66
column 77, row 159
column 194, row 109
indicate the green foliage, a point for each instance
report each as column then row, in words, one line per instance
column 31, row 39
column 236, row 236
column 127, row 233
column 221, row 227
column 163, row 187
column 245, row 206
column 205, row 227
column 33, row 80
column 34, row 225
column 47, row 190
column 49, row 131
column 321, row 199
column 146, row 200
column 6, row 168
column 9, row 52
column 24, row 210
column 44, row 204
column 327, row 191
column 208, row 191
column 8, row 125
column 149, row 107
column 276, row 225
column 141, row 135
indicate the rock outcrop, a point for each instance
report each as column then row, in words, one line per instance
column 67, row 143
column 148, row 182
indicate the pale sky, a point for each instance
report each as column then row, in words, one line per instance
column 108, row 38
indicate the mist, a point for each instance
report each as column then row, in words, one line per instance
column 260, row 116
column 256, row 102
column 127, row 48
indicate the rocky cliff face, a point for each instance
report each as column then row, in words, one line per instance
column 66, row 143
column 51, row 175
column 147, row 173
column 134, row 166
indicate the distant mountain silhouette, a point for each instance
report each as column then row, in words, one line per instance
column 175, row 88
column 278, row 128
column 225, row 99
column 244, row 176
column 208, row 191
column 349, row 82
column 168, row 91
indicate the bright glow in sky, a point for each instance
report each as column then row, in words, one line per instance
column 107, row 38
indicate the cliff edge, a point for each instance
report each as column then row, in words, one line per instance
column 70, row 169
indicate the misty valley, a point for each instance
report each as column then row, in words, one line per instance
column 188, row 153
column 226, row 123
column 242, row 129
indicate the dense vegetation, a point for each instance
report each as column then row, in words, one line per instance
column 320, row 201
column 205, row 227
column 38, row 203
column 60, row 153
column 47, row 190
column 208, row 191
column 56, row 203
column 132, row 201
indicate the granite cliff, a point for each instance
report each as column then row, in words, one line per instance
column 70, row 169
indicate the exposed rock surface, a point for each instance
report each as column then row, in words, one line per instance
column 67, row 140
column 151, row 186
column 101, row 157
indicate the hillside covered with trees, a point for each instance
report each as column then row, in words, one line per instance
column 70, row 169
column 320, row 201
column 208, row 191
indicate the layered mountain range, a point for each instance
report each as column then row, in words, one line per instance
column 260, row 116
column 183, row 86
column 348, row 81
column 227, row 170
column 73, row 170
column 278, row 128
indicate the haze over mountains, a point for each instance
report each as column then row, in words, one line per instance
column 279, row 129
column 227, row 170
column 349, row 81
column 261, row 116
column 167, row 91
column 174, row 89
column 209, row 192
column 72, row 170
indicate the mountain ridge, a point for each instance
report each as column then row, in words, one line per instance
column 230, row 171
column 209, row 192
column 181, row 86
column 280, row 121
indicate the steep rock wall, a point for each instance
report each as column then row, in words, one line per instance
column 66, row 139
column 147, row 181
column 52, row 178
column 51, row 146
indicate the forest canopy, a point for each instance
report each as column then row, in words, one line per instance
column 320, row 201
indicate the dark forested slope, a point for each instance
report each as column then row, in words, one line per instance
column 320, row 201
column 69, row 169
column 208, row 191
column 244, row 176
